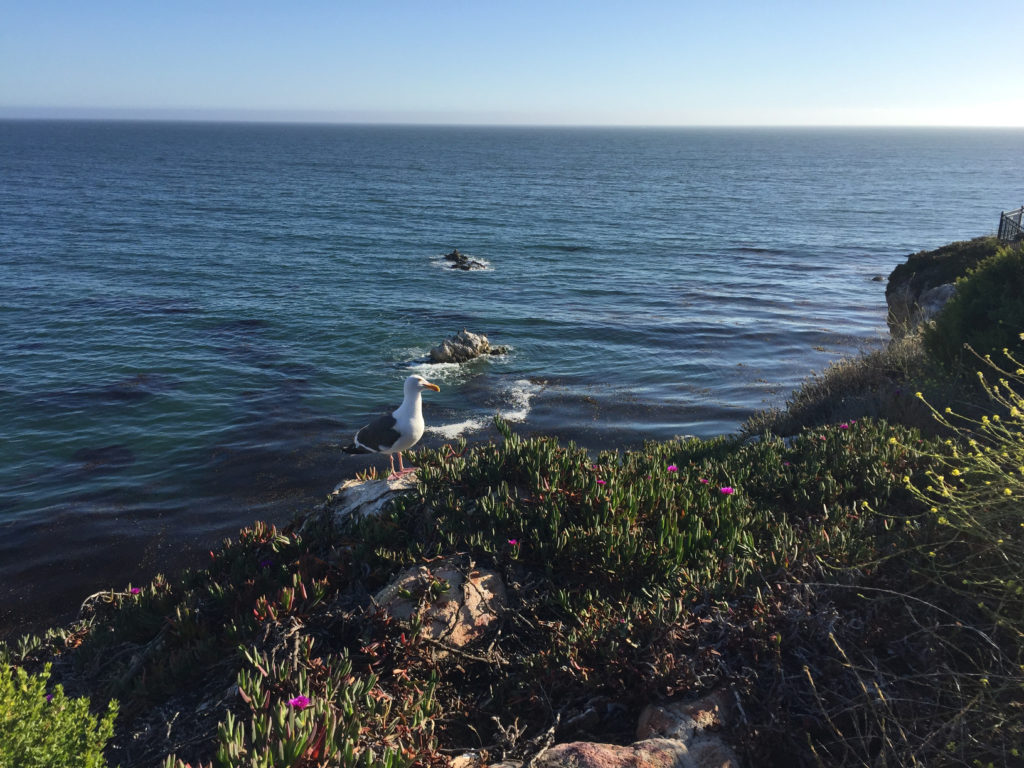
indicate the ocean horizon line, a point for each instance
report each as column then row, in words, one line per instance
column 272, row 117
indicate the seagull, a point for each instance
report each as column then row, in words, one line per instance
column 397, row 431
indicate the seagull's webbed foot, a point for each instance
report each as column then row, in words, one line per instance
column 402, row 469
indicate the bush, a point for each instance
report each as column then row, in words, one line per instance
column 986, row 313
column 974, row 556
column 48, row 730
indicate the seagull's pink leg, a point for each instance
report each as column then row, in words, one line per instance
column 402, row 469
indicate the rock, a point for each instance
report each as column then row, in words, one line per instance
column 653, row 753
column 464, row 346
column 690, row 722
column 363, row 497
column 455, row 604
column 462, row 261
column 685, row 720
column 920, row 287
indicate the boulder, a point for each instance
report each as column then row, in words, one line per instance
column 464, row 346
column 462, row 261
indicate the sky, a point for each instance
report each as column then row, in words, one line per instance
column 543, row 62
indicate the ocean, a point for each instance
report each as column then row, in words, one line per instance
column 195, row 317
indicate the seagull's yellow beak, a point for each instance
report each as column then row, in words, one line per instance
column 428, row 385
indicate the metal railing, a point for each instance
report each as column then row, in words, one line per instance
column 1010, row 229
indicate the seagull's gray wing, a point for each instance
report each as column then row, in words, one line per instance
column 379, row 435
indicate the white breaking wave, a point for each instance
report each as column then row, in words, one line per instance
column 516, row 407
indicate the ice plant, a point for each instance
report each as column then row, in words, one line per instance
column 727, row 490
column 513, row 542
column 673, row 468
column 135, row 590
column 299, row 702
column 601, row 482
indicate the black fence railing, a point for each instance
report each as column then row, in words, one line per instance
column 1010, row 229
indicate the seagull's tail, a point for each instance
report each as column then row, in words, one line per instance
column 353, row 448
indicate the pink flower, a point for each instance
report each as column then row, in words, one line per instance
column 673, row 468
column 299, row 702
column 703, row 480
column 728, row 491
column 135, row 590
column 600, row 482
column 844, row 425
column 513, row 542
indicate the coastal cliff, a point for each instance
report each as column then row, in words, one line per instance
column 921, row 286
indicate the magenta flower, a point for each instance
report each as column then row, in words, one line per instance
column 673, row 468
column 600, row 482
column 703, row 480
column 844, row 425
column 299, row 702
column 135, row 590
column 727, row 490
column 513, row 542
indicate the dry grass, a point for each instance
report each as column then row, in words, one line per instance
column 878, row 384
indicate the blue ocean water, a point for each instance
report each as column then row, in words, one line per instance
column 194, row 317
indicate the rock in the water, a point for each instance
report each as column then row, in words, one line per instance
column 464, row 346
column 455, row 605
column 462, row 261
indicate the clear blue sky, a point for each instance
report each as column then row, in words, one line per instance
column 638, row 62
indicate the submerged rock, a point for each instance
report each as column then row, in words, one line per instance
column 462, row 261
column 464, row 346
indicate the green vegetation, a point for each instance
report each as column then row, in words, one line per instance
column 48, row 730
column 855, row 583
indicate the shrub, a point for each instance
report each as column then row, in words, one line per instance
column 976, row 494
column 48, row 730
column 986, row 313
column 974, row 554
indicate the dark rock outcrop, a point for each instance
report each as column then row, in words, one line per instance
column 462, row 261
column 920, row 287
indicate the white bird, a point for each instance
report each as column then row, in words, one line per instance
column 397, row 431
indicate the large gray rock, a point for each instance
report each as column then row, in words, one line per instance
column 464, row 346
column 910, row 308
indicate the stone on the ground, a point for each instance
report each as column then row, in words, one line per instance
column 455, row 604
column 652, row 753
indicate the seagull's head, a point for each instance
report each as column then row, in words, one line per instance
column 415, row 384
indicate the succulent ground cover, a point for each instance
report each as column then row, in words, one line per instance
column 631, row 577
